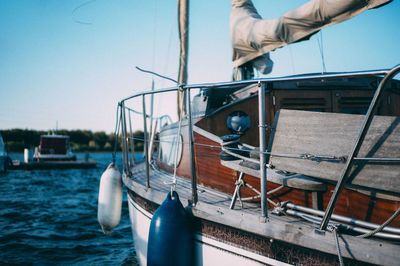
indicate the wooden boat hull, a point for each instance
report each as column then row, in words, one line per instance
column 211, row 173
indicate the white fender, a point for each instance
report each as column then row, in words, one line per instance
column 110, row 199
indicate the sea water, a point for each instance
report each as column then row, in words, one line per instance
column 50, row 217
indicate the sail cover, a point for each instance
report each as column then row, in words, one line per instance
column 253, row 37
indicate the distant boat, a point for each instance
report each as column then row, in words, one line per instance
column 54, row 148
column 54, row 152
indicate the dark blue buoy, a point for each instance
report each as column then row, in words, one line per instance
column 170, row 235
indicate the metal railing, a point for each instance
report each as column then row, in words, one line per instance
column 387, row 74
column 356, row 146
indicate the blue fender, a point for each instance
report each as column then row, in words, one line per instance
column 171, row 238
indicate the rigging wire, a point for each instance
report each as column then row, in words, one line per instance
column 321, row 50
column 153, row 63
column 169, row 45
column 158, row 104
column 154, row 33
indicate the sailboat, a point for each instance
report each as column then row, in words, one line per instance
column 292, row 170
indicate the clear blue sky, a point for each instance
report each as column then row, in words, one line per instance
column 71, row 61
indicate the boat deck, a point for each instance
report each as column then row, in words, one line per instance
column 162, row 182
column 213, row 207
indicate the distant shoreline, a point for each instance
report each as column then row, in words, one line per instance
column 16, row 140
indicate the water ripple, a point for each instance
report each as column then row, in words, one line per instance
column 50, row 217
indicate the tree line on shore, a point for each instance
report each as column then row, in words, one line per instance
column 16, row 140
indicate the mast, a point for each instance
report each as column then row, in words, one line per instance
column 183, row 22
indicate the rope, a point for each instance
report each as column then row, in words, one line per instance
column 275, row 190
column 241, row 183
column 334, row 229
column 273, row 203
column 158, row 75
column 230, row 142
column 380, row 228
